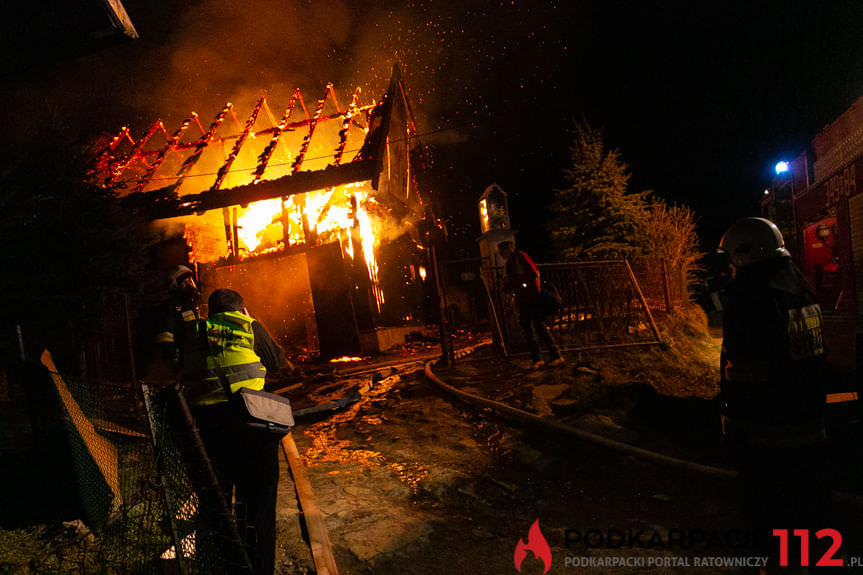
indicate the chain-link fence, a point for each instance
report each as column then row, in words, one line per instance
column 86, row 494
column 207, row 540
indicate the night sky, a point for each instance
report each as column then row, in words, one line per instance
column 701, row 99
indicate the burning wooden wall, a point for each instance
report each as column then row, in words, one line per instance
column 293, row 212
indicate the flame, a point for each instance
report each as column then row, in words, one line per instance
column 346, row 359
column 256, row 218
column 337, row 214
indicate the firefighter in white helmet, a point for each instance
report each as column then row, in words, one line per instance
column 772, row 365
column 180, row 307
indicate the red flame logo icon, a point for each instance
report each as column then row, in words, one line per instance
column 537, row 544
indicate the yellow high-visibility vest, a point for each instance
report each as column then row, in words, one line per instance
column 229, row 352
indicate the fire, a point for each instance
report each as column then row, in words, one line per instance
column 346, row 359
column 256, row 218
column 338, row 214
column 232, row 154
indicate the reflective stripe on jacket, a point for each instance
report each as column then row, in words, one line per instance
column 229, row 353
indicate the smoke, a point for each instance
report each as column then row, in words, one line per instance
column 238, row 51
column 196, row 56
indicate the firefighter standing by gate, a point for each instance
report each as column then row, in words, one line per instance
column 772, row 366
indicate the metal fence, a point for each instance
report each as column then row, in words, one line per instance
column 205, row 536
column 664, row 285
column 604, row 303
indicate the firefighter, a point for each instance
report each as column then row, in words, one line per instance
column 179, row 308
column 238, row 349
column 522, row 277
column 772, row 364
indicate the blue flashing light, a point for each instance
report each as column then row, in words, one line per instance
column 783, row 167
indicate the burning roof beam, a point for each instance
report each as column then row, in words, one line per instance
column 173, row 141
column 104, row 159
column 346, row 126
column 136, row 151
column 307, row 139
column 201, row 145
column 164, row 203
column 373, row 162
column 264, row 157
column 223, row 171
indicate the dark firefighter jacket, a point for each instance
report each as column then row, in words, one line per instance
column 230, row 345
column 174, row 313
column 772, row 358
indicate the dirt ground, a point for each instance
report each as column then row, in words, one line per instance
column 411, row 480
column 415, row 483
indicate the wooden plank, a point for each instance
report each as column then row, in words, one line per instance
column 120, row 17
column 319, row 541
column 841, row 397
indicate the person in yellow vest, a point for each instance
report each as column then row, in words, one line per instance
column 236, row 349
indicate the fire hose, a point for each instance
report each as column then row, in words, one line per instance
column 848, row 500
column 522, row 416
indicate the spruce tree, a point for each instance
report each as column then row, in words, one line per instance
column 596, row 216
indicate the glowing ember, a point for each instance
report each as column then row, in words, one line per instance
column 346, row 359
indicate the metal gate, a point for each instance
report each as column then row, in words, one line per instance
column 602, row 304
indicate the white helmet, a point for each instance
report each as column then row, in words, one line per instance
column 753, row 240
column 177, row 273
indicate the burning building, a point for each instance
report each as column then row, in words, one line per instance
column 311, row 215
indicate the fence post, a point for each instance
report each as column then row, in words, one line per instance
column 643, row 301
column 445, row 343
column 666, row 279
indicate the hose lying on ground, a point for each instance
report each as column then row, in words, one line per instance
column 531, row 419
column 845, row 499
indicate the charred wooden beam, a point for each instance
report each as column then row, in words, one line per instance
column 165, row 203
column 120, row 18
